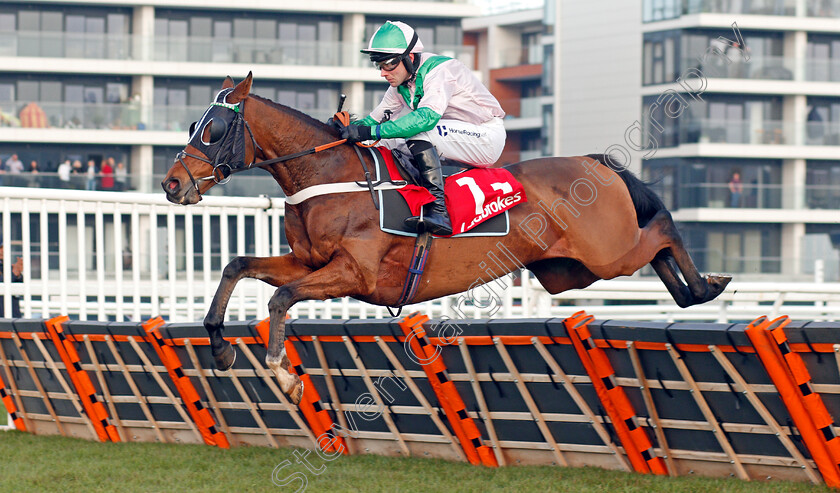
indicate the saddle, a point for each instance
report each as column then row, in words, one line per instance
column 396, row 205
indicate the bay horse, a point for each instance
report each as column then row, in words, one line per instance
column 567, row 238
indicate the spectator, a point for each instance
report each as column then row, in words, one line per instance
column 34, row 179
column 77, row 167
column 17, row 276
column 121, row 176
column 64, row 170
column 735, row 190
column 91, row 175
column 14, row 166
column 107, row 174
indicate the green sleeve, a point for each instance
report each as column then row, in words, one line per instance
column 368, row 120
column 420, row 120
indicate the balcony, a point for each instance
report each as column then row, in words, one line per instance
column 659, row 10
column 758, row 67
column 110, row 116
column 754, row 7
column 752, row 196
column 198, row 49
column 522, row 55
column 822, row 133
column 719, row 195
column 714, row 131
column 822, row 70
column 68, row 45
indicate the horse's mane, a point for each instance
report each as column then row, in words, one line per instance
column 296, row 114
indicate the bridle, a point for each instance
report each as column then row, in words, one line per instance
column 226, row 162
column 224, row 159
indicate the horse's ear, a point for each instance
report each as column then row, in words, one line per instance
column 228, row 83
column 242, row 90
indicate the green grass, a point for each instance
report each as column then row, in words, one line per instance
column 53, row 464
column 3, row 414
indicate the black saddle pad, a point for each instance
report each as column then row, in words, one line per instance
column 393, row 210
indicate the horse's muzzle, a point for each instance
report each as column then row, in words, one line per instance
column 178, row 194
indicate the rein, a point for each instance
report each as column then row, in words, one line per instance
column 226, row 170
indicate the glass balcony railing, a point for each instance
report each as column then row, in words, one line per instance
column 249, row 183
column 198, row 49
column 523, row 107
column 111, row 116
column 659, row 10
column 736, row 131
column 524, row 55
column 822, row 133
column 749, row 7
column 67, row 45
column 822, row 8
column 719, row 195
column 251, row 50
column 822, row 196
column 758, row 67
column 825, row 70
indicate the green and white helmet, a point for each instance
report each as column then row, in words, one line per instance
column 391, row 39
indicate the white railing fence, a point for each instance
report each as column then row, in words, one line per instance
column 131, row 256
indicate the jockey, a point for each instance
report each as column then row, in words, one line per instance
column 436, row 108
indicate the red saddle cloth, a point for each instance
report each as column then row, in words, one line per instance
column 472, row 196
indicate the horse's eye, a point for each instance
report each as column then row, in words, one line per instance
column 217, row 130
column 214, row 130
column 192, row 127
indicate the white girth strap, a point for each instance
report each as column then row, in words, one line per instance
column 328, row 188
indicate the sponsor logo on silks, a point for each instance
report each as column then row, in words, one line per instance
column 499, row 204
column 443, row 132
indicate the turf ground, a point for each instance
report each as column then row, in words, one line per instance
column 57, row 464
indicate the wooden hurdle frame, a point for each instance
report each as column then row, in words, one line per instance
column 521, row 385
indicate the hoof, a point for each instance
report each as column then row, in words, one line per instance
column 717, row 283
column 225, row 357
column 297, row 393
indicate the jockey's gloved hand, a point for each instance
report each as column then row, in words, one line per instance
column 355, row 133
column 333, row 123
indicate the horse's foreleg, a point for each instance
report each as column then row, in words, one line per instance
column 336, row 279
column 272, row 270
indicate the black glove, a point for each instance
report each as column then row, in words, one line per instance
column 333, row 123
column 355, row 133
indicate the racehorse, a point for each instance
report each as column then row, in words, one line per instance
column 568, row 236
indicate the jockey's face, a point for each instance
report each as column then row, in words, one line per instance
column 396, row 76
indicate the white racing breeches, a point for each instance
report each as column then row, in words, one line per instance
column 478, row 145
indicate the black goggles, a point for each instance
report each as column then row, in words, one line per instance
column 389, row 64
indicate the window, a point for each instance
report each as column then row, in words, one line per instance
column 823, row 58
column 738, row 249
column 660, row 64
column 704, row 182
column 822, row 185
column 250, row 37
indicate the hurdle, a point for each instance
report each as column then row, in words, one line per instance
column 655, row 398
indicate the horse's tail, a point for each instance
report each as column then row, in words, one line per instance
column 645, row 200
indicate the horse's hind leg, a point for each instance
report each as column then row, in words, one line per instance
column 272, row 270
column 696, row 289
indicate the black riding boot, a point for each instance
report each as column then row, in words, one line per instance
column 435, row 218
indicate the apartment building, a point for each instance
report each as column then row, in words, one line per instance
column 88, row 80
column 751, row 167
